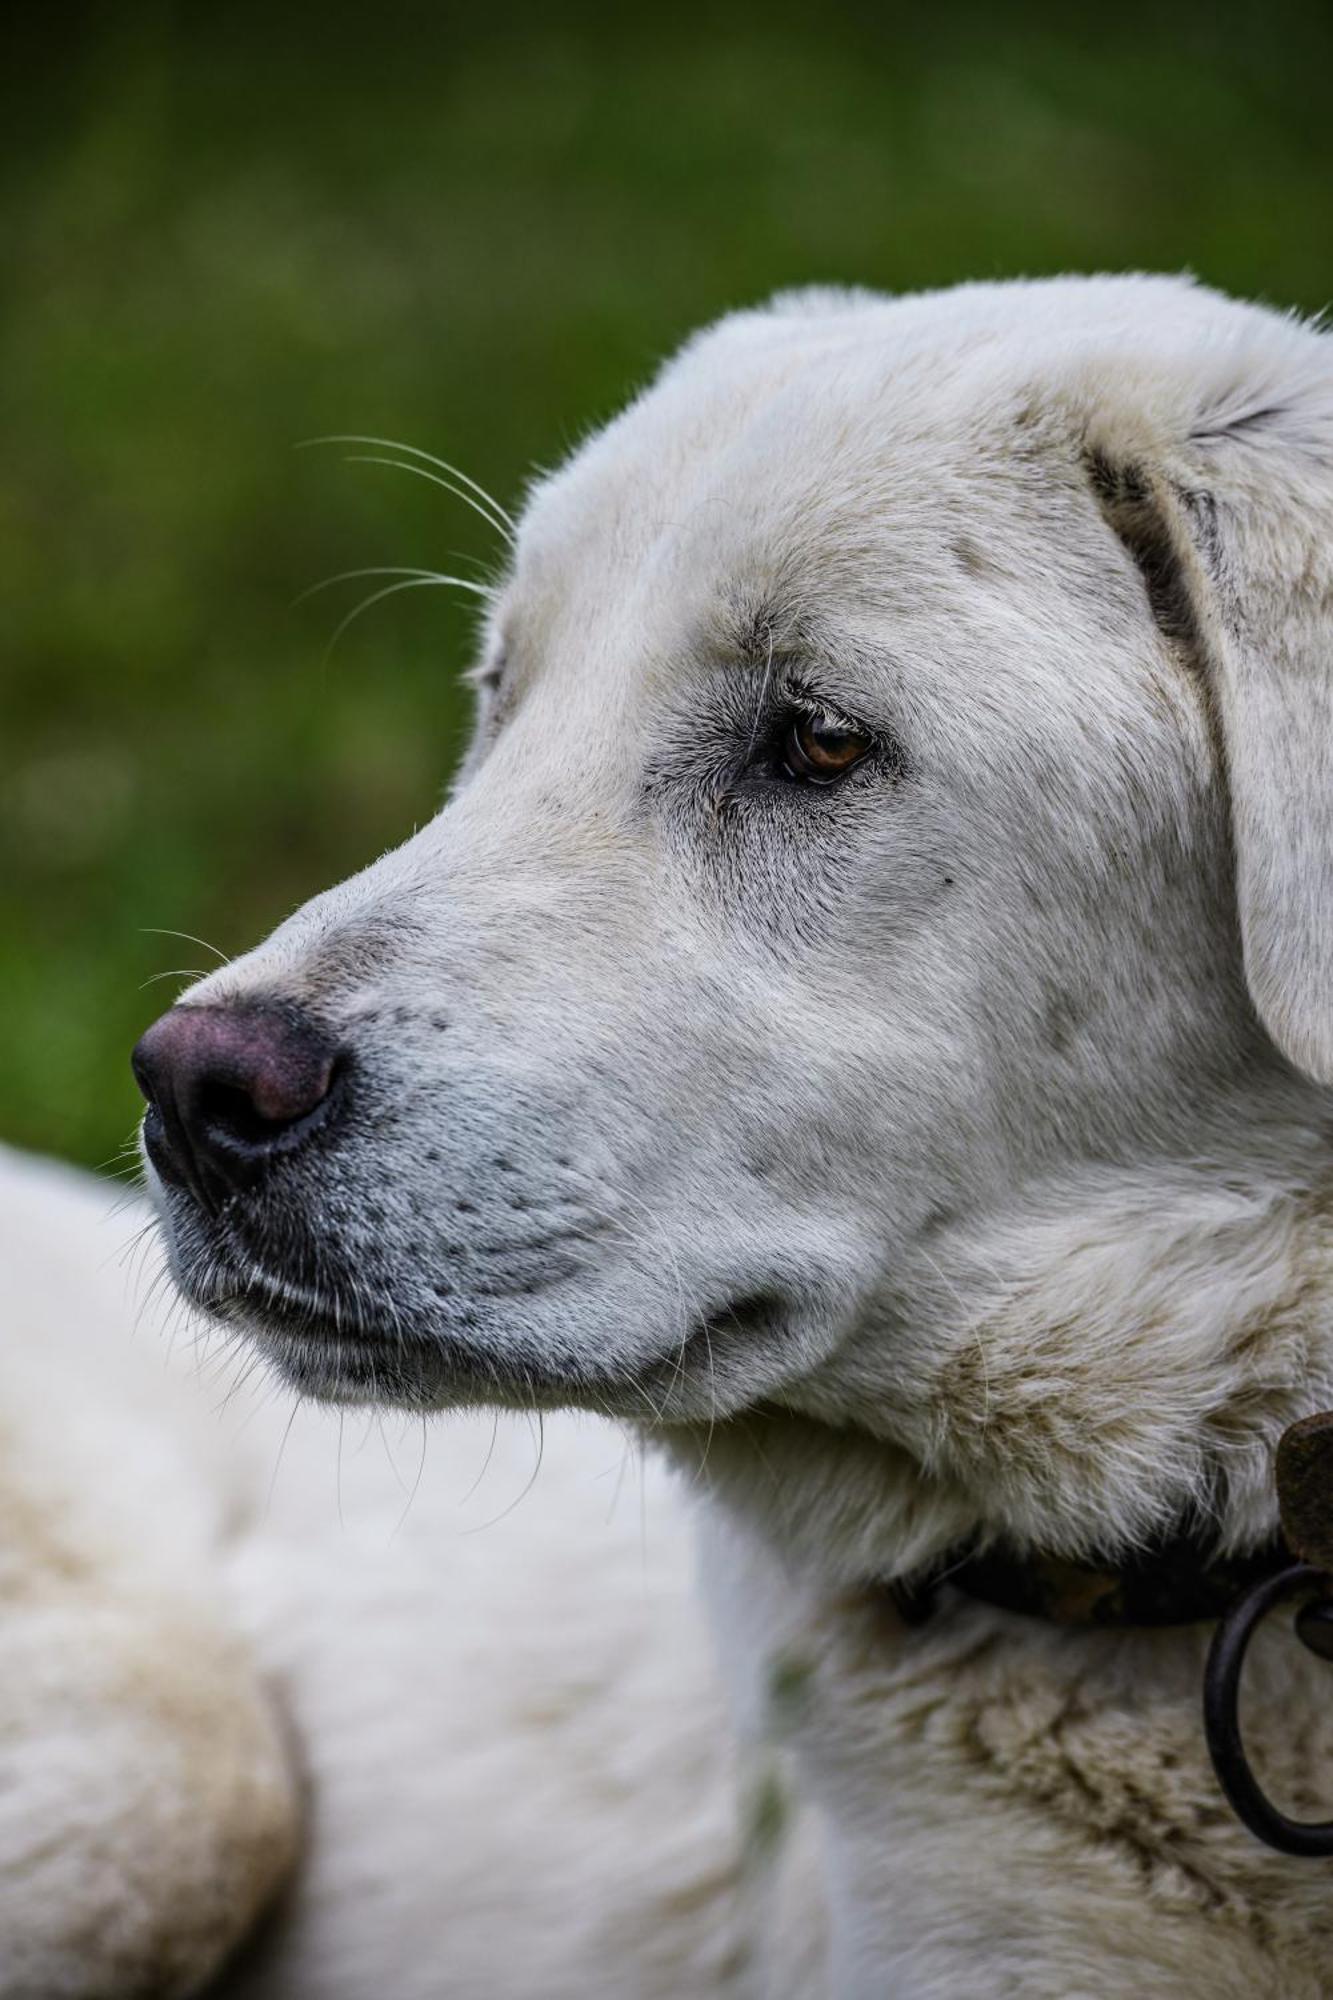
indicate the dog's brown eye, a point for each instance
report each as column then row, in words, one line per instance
column 820, row 750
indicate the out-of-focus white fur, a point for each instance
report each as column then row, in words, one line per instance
column 513, row 1770
column 148, row 1803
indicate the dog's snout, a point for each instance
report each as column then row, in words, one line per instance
column 230, row 1087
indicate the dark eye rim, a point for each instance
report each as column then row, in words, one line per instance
column 798, row 767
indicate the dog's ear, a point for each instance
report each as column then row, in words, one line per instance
column 1219, row 482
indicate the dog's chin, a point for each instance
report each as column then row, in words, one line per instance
column 326, row 1353
column 352, row 1368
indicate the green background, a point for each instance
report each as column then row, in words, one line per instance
column 228, row 230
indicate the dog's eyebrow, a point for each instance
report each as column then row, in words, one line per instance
column 751, row 634
column 791, row 631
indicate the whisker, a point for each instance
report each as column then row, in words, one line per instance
column 496, row 1519
column 416, row 1484
column 277, row 1463
column 126, row 1252
column 263, row 1399
column 392, row 1462
column 156, row 930
column 173, row 972
column 485, row 1463
column 459, row 492
column 392, row 589
column 502, row 518
column 390, row 569
column 620, row 1480
column 132, row 1182
column 245, row 1374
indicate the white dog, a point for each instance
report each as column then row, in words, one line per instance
column 864, row 1019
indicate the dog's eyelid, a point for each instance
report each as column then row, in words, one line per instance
column 797, row 693
column 820, row 709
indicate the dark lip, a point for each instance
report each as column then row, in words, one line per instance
column 336, row 1356
column 427, row 1372
column 265, row 1312
column 327, row 1349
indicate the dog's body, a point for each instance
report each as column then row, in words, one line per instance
column 864, row 1019
column 148, row 1803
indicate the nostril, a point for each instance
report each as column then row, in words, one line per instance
column 278, row 1092
column 228, row 1108
column 230, row 1086
column 250, row 1118
column 286, row 1079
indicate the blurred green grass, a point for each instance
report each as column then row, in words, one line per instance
column 225, row 232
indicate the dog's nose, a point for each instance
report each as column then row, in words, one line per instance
column 230, row 1087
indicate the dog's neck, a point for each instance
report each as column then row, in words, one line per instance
column 1104, row 1361
column 1135, row 1349
column 1114, row 1356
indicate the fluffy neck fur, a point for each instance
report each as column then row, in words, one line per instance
column 1130, row 1349
column 1115, row 1354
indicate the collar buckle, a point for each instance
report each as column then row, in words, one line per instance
column 1303, row 1472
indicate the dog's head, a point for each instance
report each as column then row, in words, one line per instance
column 891, row 871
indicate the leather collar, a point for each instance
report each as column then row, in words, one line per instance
column 1182, row 1581
column 1177, row 1582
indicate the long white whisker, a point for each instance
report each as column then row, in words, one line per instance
column 451, row 487
column 500, row 516
column 156, row 930
column 485, row 1463
column 496, row 1519
column 277, row 1463
column 392, row 589
column 388, row 569
column 416, row 1484
column 173, row 972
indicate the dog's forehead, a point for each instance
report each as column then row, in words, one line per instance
column 762, row 458
column 899, row 477
column 836, row 428
column 777, row 487
column 850, row 456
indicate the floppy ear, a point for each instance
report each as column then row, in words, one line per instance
column 1219, row 481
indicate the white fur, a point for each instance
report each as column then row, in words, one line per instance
column 515, row 1776
column 945, row 1153
column 147, row 1802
